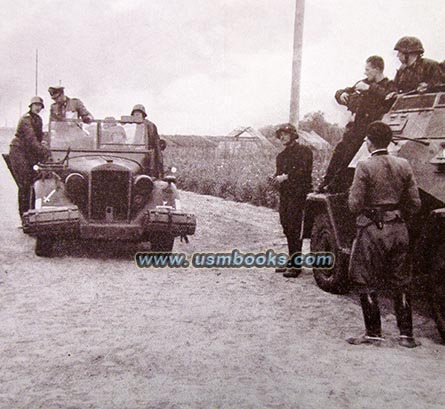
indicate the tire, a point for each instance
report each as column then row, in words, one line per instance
column 44, row 246
column 334, row 280
column 437, row 297
column 162, row 243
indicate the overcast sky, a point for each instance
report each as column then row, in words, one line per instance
column 201, row 66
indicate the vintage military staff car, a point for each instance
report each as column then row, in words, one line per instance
column 418, row 125
column 105, row 181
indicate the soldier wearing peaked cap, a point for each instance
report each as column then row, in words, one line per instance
column 382, row 195
column 26, row 150
column 294, row 179
column 67, row 108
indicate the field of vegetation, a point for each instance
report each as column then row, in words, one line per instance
column 242, row 177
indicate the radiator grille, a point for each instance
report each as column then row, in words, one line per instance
column 109, row 194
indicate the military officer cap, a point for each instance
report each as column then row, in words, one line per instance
column 409, row 45
column 286, row 128
column 57, row 90
column 379, row 133
column 140, row 108
column 37, row 100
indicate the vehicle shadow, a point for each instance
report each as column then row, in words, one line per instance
column 99, row 249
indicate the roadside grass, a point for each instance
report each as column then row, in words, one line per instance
column 241, row 177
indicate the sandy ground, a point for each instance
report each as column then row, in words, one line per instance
column 88, row 329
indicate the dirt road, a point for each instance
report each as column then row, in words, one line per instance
column 88, row 329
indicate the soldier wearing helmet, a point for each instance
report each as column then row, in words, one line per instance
column 26, row 150
column 293, row 177
column 140, row 114
column 67, row 108
column 416, row 73
column 382, row 194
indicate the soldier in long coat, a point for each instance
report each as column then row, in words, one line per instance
column 383, row 195
column 140, row 113
column 26, row 150
column 294, row 178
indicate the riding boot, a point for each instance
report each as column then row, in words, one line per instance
column 371, row 314
column 402, row 307
column 294, row 246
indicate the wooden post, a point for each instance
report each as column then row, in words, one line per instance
column 296, row 63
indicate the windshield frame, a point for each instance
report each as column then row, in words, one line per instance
column 97, row 146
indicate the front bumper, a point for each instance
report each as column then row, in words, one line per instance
column 67, row 222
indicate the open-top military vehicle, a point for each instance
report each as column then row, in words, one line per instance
column 418, row 124
column 105, row 181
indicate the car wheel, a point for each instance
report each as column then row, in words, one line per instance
column 162, row 243
column 44, row 246
column 335, row 279
column 437, row 294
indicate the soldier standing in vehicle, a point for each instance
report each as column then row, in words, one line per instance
column 416, row 73
column 26, row 150
column 67, row 108
column 383, row 194
column 140, row 113
column 366, row 100
column 294, row 179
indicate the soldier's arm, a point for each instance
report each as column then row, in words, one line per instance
column 433, row 74
column 340, row 92
column 410, row 200
column 83, row 112
column 52, row 113
column 30, row 140
column 356, row 200
column 308, row 173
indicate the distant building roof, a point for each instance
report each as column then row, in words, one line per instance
column 247, row 133
column 313, row 139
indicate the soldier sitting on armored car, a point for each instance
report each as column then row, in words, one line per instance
column 366, row 100
column 416, row 73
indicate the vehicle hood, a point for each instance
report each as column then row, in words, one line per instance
column 84, row 164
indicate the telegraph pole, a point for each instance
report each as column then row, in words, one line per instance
column 296, row 63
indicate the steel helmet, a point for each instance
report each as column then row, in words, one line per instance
column 286, row 128
column 409, row 45
column 140, row 108
column 37, row 100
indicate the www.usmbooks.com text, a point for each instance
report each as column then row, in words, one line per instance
column 234, row 259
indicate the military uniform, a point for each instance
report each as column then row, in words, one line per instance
column 26, row 150
column 368, row 106
column 382, row 195
column 409, row 77
column 157, row 169
column 153, row 143
column 71, row 108
column 295, row 161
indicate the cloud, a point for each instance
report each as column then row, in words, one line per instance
column 201, row 66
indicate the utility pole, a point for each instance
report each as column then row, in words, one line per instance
column 296, row 63
column 37, row 72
